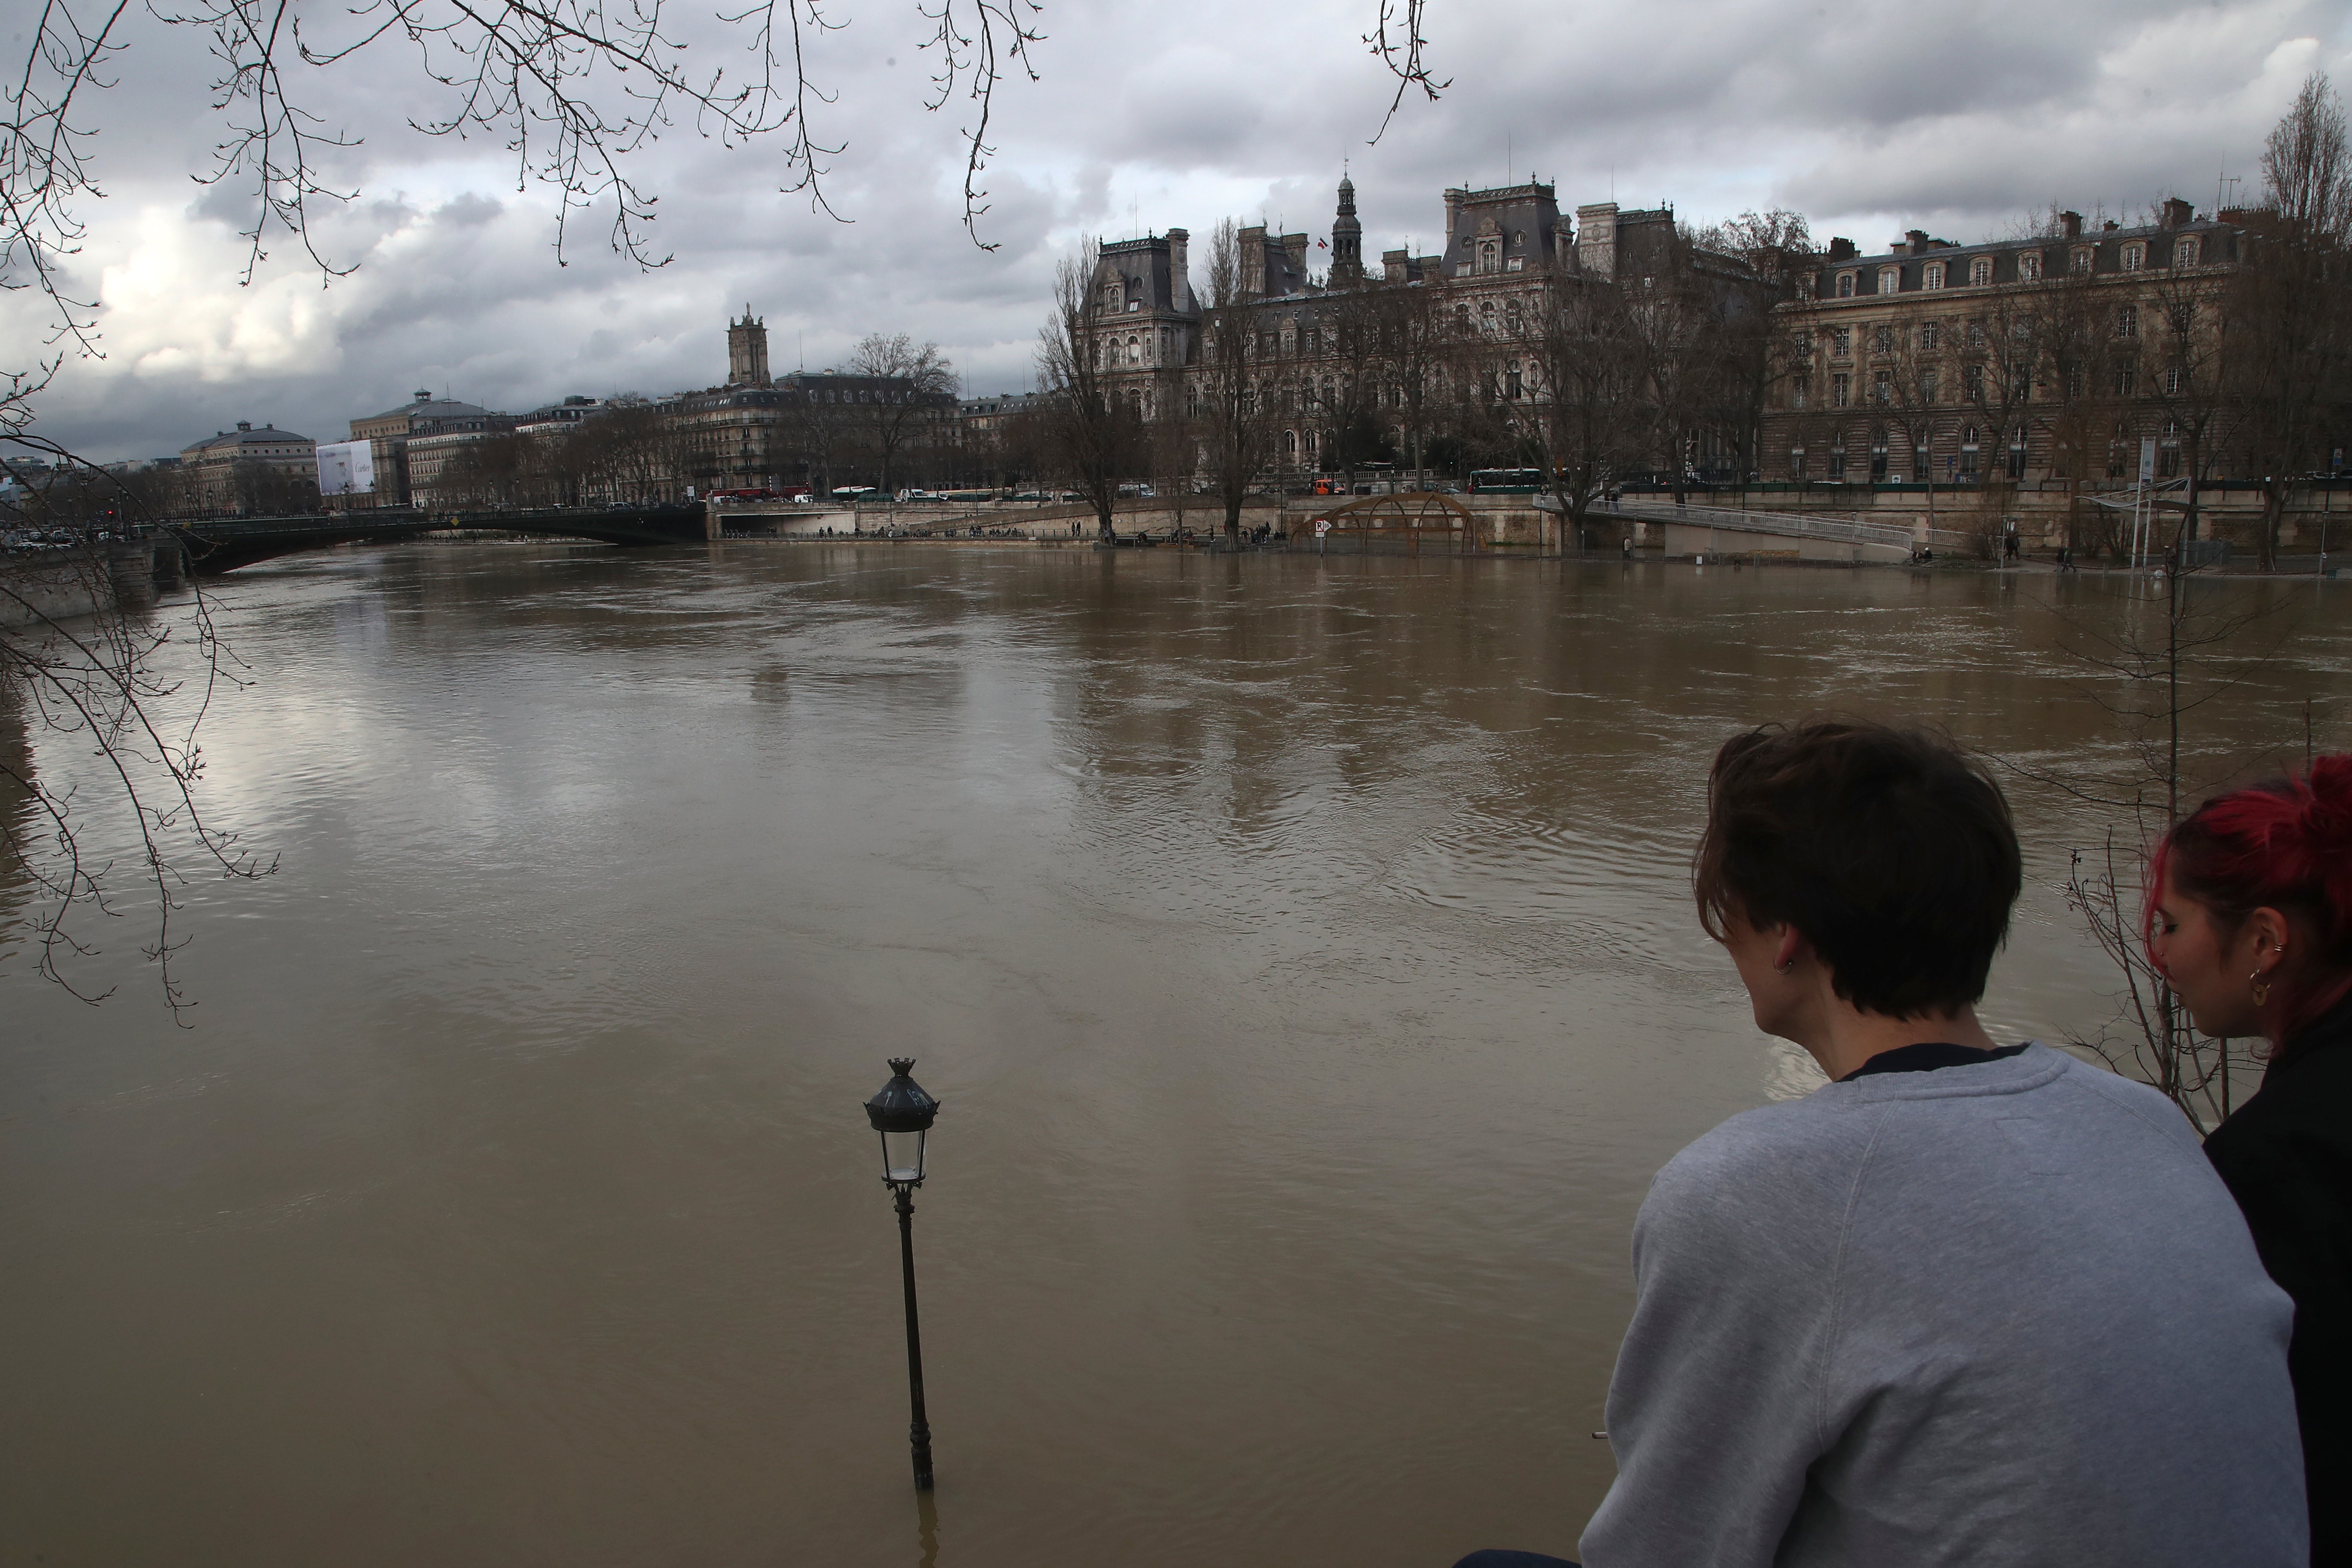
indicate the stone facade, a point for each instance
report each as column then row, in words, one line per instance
column 389, row 434
column 770, row 431
column 219, row 473
column 1506, row 252
column 2026, row 360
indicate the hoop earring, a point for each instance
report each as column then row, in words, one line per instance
column 2261, row 988
column 1788, row 968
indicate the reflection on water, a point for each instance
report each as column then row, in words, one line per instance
column 1303, row 951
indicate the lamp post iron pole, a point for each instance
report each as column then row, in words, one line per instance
column 918, row 1431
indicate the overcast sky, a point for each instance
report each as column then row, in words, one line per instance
column 1961, row 119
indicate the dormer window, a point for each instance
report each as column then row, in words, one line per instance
column 1845, row 286
column 2184, row 251
column 1980, row 270
column 2084, row 259
column 2028, row 266
column 2135, row 256
column 1890, row 280
column 1932, row 275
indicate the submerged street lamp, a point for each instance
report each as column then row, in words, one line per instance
column 902, row 1113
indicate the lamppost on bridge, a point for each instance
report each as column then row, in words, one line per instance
column 902, row 1112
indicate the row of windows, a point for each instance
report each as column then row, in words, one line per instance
column 2082, row 260
column 1964, row 463
column 2018, row 383
column 1886, row 340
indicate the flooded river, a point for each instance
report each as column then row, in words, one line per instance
column 1303, row 951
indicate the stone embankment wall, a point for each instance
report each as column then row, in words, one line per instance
column 1046, row 523
column 66, row 584
column 2051, row 512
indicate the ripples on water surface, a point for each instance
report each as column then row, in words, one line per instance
column 1304, row 954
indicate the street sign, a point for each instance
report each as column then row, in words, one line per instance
column 1322, row 526
column 2146, row 458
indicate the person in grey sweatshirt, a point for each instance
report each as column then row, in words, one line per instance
column 1967, row 1303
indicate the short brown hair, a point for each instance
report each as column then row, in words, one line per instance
column 1888, row 849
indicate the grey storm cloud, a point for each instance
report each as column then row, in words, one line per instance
column 1961, row 118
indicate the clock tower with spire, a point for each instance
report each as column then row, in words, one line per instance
column 1347, row 238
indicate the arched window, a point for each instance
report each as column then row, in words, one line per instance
column 1890, row 280
column 2135, row 256
column 1837, row 459
column 2028, row 266
column 1796, row 462
column 1134, row 351
column 1878, row 456
column 1932, row 275
column 1290, row 445
column 2185, row 251
column 1845, row 286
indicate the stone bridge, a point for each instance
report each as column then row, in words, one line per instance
column 224, row 545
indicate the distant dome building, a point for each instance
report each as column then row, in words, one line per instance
column 245, row 469
column 389, row 434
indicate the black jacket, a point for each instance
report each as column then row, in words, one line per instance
column 2286, row 1155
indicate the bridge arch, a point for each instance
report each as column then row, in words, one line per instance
column 1402, row 523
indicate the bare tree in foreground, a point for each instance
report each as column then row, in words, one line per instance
column 85, row 667
column 2178, row 647
column 570, row 91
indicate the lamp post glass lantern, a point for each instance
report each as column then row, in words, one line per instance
column 902, row 1113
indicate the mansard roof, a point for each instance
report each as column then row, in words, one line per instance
column 424, row 405
column 229, row 441
column 2218, row 242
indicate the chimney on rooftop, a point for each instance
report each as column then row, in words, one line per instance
column 1842, row 249
column 1180, row 256
column 2073, row 224
column 2177, row 213
column 2109, row 226
column 1918, row 238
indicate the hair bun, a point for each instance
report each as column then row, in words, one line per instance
column 2327, row 815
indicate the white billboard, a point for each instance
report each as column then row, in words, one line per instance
column 347, row 469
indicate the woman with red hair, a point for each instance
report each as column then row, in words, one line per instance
column 2251, row 925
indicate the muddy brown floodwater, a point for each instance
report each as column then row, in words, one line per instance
column 1303, row 951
